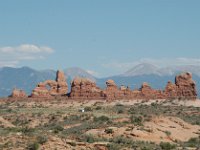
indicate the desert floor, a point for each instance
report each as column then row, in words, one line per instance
column 104, row 125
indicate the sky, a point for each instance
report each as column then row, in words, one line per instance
column 104, row 37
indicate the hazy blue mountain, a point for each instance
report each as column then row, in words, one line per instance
column 149, row 69
column 157, row 77
column 135, row 82
column 142, row 69
column 26, row 78
column 78, row 72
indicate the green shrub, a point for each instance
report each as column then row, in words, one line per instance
column 98, row 108
column 120, row 111
column 33, row 146
column 136, row 120
column 87, row 109
column 109, row 131
column 42, row 139
column 89, row 138
column 101, row 119
column 193, row 142
column 57, row 128
column 168, row 133
column 113, row 146
column 121, row 140
column 167, row 146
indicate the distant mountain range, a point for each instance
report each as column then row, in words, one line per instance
column 149, row 69
column 27, row 78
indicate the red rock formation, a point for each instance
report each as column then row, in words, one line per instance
column 40, row 91
column 51, row 87
column 148, row 93
column 17, row 93
column 126, row 93
column 86, row 89
column 62, row 87
column 111, row 92
column 186, row 87
column 171, row 90
column 82, row 88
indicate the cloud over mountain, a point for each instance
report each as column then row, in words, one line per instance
column 12, row 55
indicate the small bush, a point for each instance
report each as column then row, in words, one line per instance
column 120, row 111
column 193, row 142
column 136, row 120
column 101, row 119
column 87, row 109
column 57, row 128
column 42, row 139
column 167, row 146
column 98, row 108
column 168, row 133
column 109, row 131
column 90, row 138
column 33, row 146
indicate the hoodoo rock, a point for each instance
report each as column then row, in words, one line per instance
column 186, row 87
column 62, row 87
column 171, row 90
column 17, row 93
column 111, row 92
column 85, row 89
column 125, row 92
column 82, row 88
column 149, row 93
column 60, row 76
column 52, row 88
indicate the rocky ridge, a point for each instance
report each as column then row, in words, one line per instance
column 86, row 89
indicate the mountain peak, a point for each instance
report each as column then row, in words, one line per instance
column 78, row 72
column 142, row 69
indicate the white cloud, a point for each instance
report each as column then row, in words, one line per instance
column 11, row 56
column 26, row 48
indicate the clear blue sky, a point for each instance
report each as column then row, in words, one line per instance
column 103, row 36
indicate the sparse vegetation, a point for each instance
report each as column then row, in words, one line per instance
column 36, row 124
column 167, row 146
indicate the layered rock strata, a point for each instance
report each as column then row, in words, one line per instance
column 50, row 88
